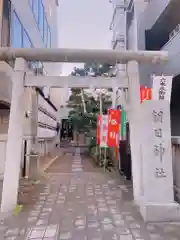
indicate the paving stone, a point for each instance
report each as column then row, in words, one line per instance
column 84, row 206
column 154, row 236
column 42, row 222
column 122, row 231
column 12, row 232
column 50, row 232
column 10, row 238
column 126, row 237
column 134, row 225
column 108, row 227
column 65, row 236
column 119, row 223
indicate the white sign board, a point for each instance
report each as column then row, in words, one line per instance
column 157, row 177
column 162, row 87
column 104, row 131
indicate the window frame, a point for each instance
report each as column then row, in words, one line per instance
column 44, row 30
column 45, row 33
column 36, row 14
column 27, row 36
column 49, row 38
column 41, row 18
column 6, row 24
column 14, row 14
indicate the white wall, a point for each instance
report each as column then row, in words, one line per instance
column 153, row 11
column 42, row 118
column 44, row 104
column 145, row 21
column 46, row 133
column 45, row 119
column 3, row 141
column 172, row 66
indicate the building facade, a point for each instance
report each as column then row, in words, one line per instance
column 154, row 25
column 150, row 25
column 29, row 24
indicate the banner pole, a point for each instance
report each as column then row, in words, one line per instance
column 100, row 102
column 105, row 159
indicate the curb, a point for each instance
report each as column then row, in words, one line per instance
column 50, row 163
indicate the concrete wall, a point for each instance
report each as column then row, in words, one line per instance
column 3, row 141
column 173, row 47
column 153, row 10
column 146, row 20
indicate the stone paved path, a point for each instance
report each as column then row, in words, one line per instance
column 80, row 202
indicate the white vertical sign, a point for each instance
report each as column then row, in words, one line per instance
column 104, row 131
column 162, row 87
column 156, row 152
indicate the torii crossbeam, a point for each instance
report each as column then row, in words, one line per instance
column 82, row 55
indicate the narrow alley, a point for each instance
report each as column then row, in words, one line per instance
column 78, row 201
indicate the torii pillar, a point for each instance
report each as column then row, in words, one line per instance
column 14, row 146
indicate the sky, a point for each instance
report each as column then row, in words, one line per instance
column 84, row 24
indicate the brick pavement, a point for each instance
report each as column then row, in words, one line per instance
column 77, row 204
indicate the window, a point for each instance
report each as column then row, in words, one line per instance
column 31, row 3
column 35, row 8
column 19, row 36
column 42, row 23
column 41, row 18
column 45, row 35
column 49, row 38
column 26, row 40
column 16, row 32
column 6, row 19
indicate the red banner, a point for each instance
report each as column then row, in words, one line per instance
column 114, row 117
column 145, row 94
column 99, row 119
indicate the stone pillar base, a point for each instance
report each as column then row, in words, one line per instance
column 160, row 212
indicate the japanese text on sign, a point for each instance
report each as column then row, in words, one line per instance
column 159, row 149
column 162, row 89
column 162, row 86
column 113, row 127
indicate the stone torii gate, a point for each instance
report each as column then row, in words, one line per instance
column 21, row 80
